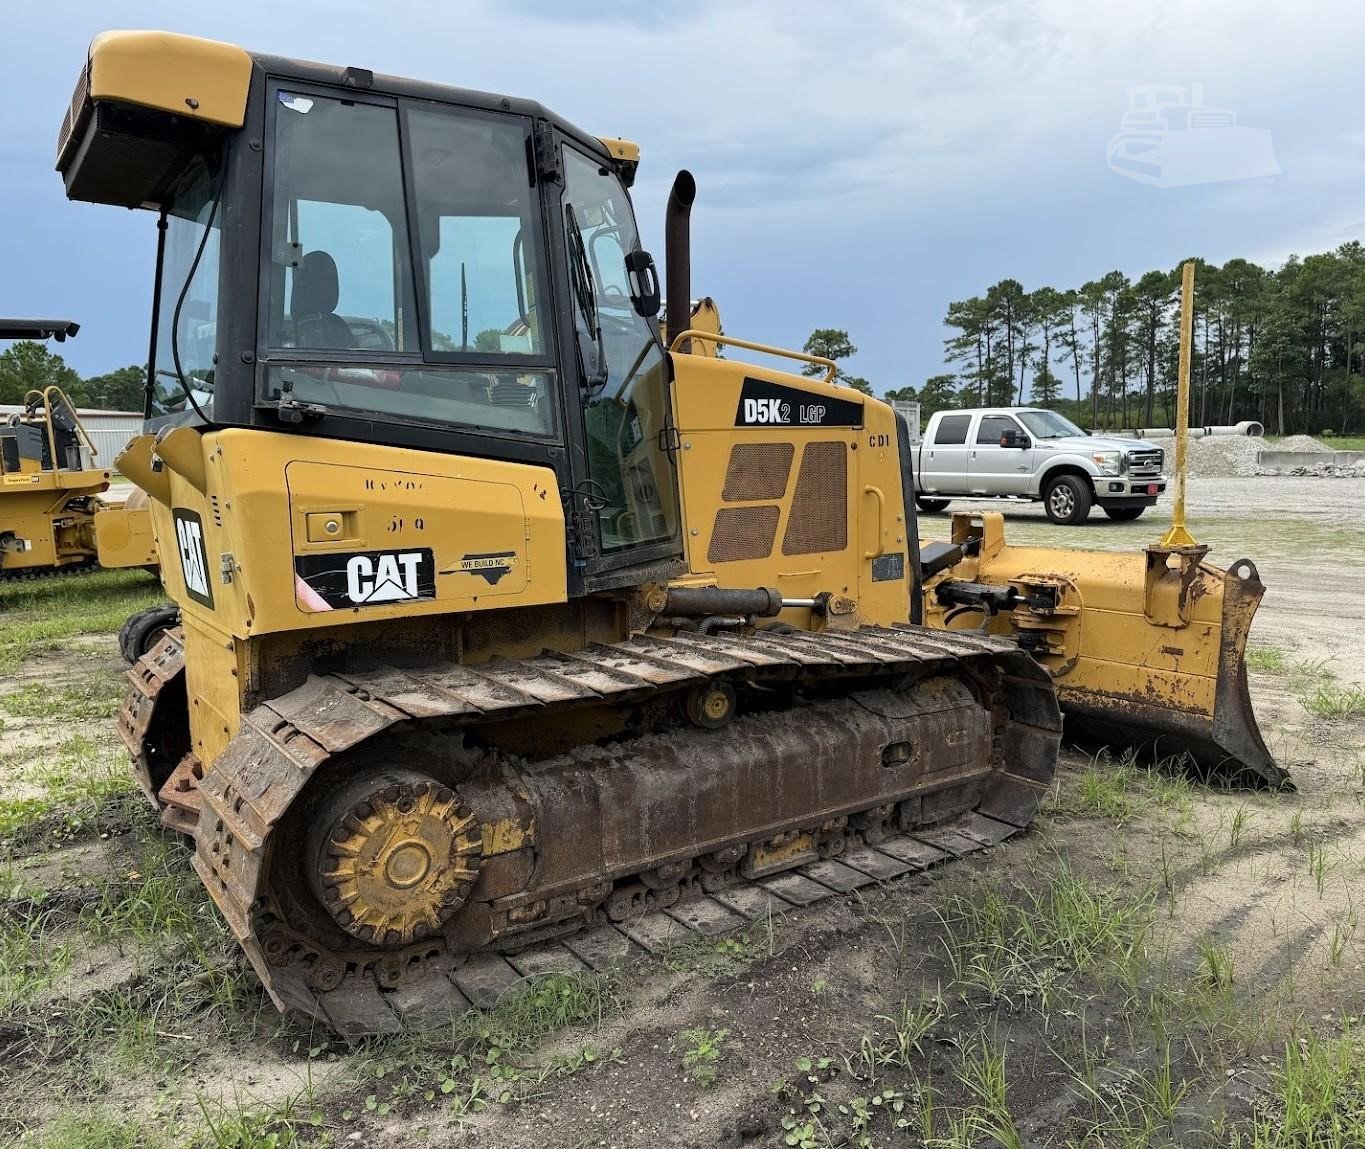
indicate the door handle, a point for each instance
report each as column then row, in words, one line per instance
column 876, row 493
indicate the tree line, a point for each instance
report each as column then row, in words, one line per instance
column 1281, row 346
column 28, row 365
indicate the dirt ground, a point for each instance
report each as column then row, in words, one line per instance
column 1148, row 966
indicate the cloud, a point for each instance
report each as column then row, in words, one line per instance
column 859, row 164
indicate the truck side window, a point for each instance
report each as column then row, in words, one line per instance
column 992, row 427
column 952, row 429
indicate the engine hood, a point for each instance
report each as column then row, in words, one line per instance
column 1086, row 444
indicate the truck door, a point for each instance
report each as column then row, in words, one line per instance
column 993, row 469
column 943, row 457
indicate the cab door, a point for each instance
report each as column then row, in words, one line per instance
column 993, row 469
column 631, row 489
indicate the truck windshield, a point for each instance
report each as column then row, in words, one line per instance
column 1049, row 425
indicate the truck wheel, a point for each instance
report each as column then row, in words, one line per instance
column 1067, row 500
column 931, row 506
column 1124, row 514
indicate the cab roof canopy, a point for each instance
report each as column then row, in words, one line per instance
column 146, row 102
column 57, row 329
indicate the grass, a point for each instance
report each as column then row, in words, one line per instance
column 1267, row 658
column 1343, row 442
column 43, row 613
column 712, row 956
column 29, row 962
column 83, row 786
column 93, row 1131
column 1318, row 1097
column 1121, row 790
column 1020, row 948
column 485, row 1058
column 1330, row 700
column 897, row 1041
column 96, row 697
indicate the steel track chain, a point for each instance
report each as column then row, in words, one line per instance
column 245, row 793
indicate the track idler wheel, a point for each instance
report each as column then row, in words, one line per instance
column 394, row 854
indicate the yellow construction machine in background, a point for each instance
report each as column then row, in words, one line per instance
column 56, row 514
column 50, row 486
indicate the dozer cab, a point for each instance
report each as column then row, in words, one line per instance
column 457, row 670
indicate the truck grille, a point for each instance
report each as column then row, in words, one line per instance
column 1145, row 464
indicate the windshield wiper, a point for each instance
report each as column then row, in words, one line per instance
column 580, row 272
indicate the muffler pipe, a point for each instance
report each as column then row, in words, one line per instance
column 678, row 256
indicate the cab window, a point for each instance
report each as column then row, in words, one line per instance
column 361, row 246
column 952, row 429
column 992, row 427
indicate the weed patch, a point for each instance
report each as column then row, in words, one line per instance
column 40, row 615
column 1318, row 1097
column 87, row 789
column 1266, row 658
column 1330, row 700
column 703, row 1050
column 1020, row 948
column 98, row 696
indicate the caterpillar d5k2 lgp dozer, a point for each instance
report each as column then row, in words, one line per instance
column 455, row 671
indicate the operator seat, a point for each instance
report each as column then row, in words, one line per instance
column 312, row 305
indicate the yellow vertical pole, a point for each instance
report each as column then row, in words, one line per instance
column 1178, row 536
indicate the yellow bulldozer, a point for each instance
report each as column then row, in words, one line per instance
column 500, row 623
column 50, row 486
column 55, row 516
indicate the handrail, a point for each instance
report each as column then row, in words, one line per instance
column 718, row 337
column 44, row 397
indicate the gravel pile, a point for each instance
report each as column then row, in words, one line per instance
column 1234, row 457
column 1321, row 471
column 1302, row 443
column 1222, row 456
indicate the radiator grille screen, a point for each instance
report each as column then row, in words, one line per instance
column 757, row 471
column 819, row 516
column 742, row 533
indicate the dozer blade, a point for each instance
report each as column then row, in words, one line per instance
column 1147, row 650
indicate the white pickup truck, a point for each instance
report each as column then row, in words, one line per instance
column 1035, row 454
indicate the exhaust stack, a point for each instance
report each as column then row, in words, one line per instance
column 678, row 256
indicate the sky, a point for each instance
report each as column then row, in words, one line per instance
column 859, row 164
